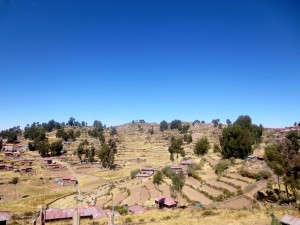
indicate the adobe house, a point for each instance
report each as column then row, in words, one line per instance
column 10, row 147
column 166, row 202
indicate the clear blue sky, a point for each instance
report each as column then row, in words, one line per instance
column 116, row 60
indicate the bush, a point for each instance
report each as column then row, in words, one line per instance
column 168, row 172
column 222, row 166
column 262, row 174
column 141, row 220
column 166, row 218
column 128, row 220
column 121, row 210
column 133, row 173
column 152, row 219
column 208, row 213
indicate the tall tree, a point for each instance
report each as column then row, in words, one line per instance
column 176, row 148
column 201, row 147
column 158, row 179
column 56, row 148
column 107, row 154
column 163, row 125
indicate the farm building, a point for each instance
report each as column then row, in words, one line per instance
column 69, row 181
column 176, row 168
column 186, row 162
column 290, row 220
column 47, row 160
column 53, row 166
column 26, row 169
column 143, row 175
column 4, row 216
column 136, row 209
column 166, row 202
column 6, row 167
column 25, row 162
column 148, row 170
column 12, row 154
column 92, row 212
column 10, row 148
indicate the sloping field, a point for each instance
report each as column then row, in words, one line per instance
column 195, row 195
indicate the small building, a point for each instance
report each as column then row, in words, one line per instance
column 186, row 162
column 143, row 175
column 9, row 167
column 25, row 162
column 91, row 212
column 176, row 168
column 53, row 166
column 8, row 154
column 26, row 170
column 290, row 220
column 136, row 209
column 166, row 202
column 10, row 148
column 4, row 216
column 47, row 160
column 69, row 181
column 148, row 170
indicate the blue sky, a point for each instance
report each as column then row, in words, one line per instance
column 118, row 60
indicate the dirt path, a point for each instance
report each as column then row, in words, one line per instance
column 74, row 175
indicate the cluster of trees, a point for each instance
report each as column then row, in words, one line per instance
column 297, row 124
column 178, row 180
column 97, row 131
column 175, row 124
column 216, row 122
column 74, row 123
column 11, row 134
column 138, row 121
column 176, row 148
column 107, row 154
column 237, row 139
column 187, row 138
column 84, row 149
column 68, row 135
column 45, row 148
column 284, row 159
column 113, row 131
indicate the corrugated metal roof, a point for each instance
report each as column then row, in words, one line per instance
column 290, row 220
column 95, row 212
column 5, row 215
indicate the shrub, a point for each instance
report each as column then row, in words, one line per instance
column 208, row 213
column 262, row 174
column 141, row 220
column 222, row 166
column 152, row 219
column 168, row 172
column 133, row 173
column 94, row 223
column 121, row 210
column 166, row 218
column 128, row 220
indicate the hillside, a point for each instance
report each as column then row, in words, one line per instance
column 136, row 149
